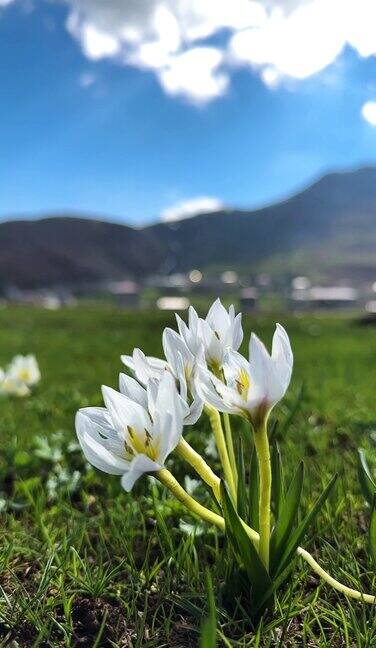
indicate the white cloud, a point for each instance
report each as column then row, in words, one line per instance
column 300, row 38
column 361, row 26
column 191, row 207
column 4, row 3
column 369, row 112
column 276, row 39
column 297, row 44
column 96, row 44
column 195, row 74
column 163, row 36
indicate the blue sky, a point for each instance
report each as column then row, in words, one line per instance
column 91, row 123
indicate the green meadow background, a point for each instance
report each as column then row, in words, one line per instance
column 94, row 566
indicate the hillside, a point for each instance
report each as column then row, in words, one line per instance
column 330, row 228
column 64, row 250
column 332, row 222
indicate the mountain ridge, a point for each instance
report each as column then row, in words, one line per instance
column 331, row 223
column 103, row 218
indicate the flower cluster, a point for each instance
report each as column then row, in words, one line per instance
column 20, row 376
column 203, row 372
column 143, row 422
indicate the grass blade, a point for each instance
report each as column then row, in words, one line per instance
column 367, row 484
column 245, row 549
column 286, row 519
column 372, row 531
column 208, row 637
column 283, row 429
column 303, row 527
column 278, row 484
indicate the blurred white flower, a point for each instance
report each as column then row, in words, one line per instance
column 189, row 528
column 24, row 369
column 219, row 331
column 10, row 386
column 252, row 388
column 135, row 432
column 21, row 374
column 211, row 448
column 191, row 484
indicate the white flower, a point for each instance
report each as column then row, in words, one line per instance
column 24, row 369
column 135, row 432
column 181, row 364
column 10, row 386
column 219, row 331
column 144, row 367
column 252, row 388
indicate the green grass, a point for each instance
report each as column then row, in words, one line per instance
column 83, row 563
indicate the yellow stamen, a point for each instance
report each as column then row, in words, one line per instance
column 24, row 375
column 137, row 445
column 243, row 383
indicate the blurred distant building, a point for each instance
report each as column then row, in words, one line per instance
column 263, row 280
column 42, row 298
column 301, row 283
column 126, row 293
column 325, row 297
column 248, row 300
column 176, row 303
column 229, row 280
column 371, row 306
column 169, row 284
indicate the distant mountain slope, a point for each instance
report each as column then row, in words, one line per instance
column 330, row 227
column 73, row 250
column 338, row 214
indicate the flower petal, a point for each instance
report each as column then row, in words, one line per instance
column 173, row 345
column 125, row 412
column 260, row 364
column 170, row 406
column 213, row 343
column 195, row 411
column 218, row 317
column 237, row 332
column 233, row 364
column 128, row 361
column 270, row 376
column 94, row 449
column 152, row 393
column 131, row 388
column 282, row 355
column 215, row 393
column 147, row 367
column 138, row 467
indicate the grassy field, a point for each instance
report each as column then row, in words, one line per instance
column 84, row 564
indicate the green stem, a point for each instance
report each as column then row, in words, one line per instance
column 230, row 446
column 216, row 425
column 168, row 480
column 265, row 476
column 190, row 455
column 348, row 591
